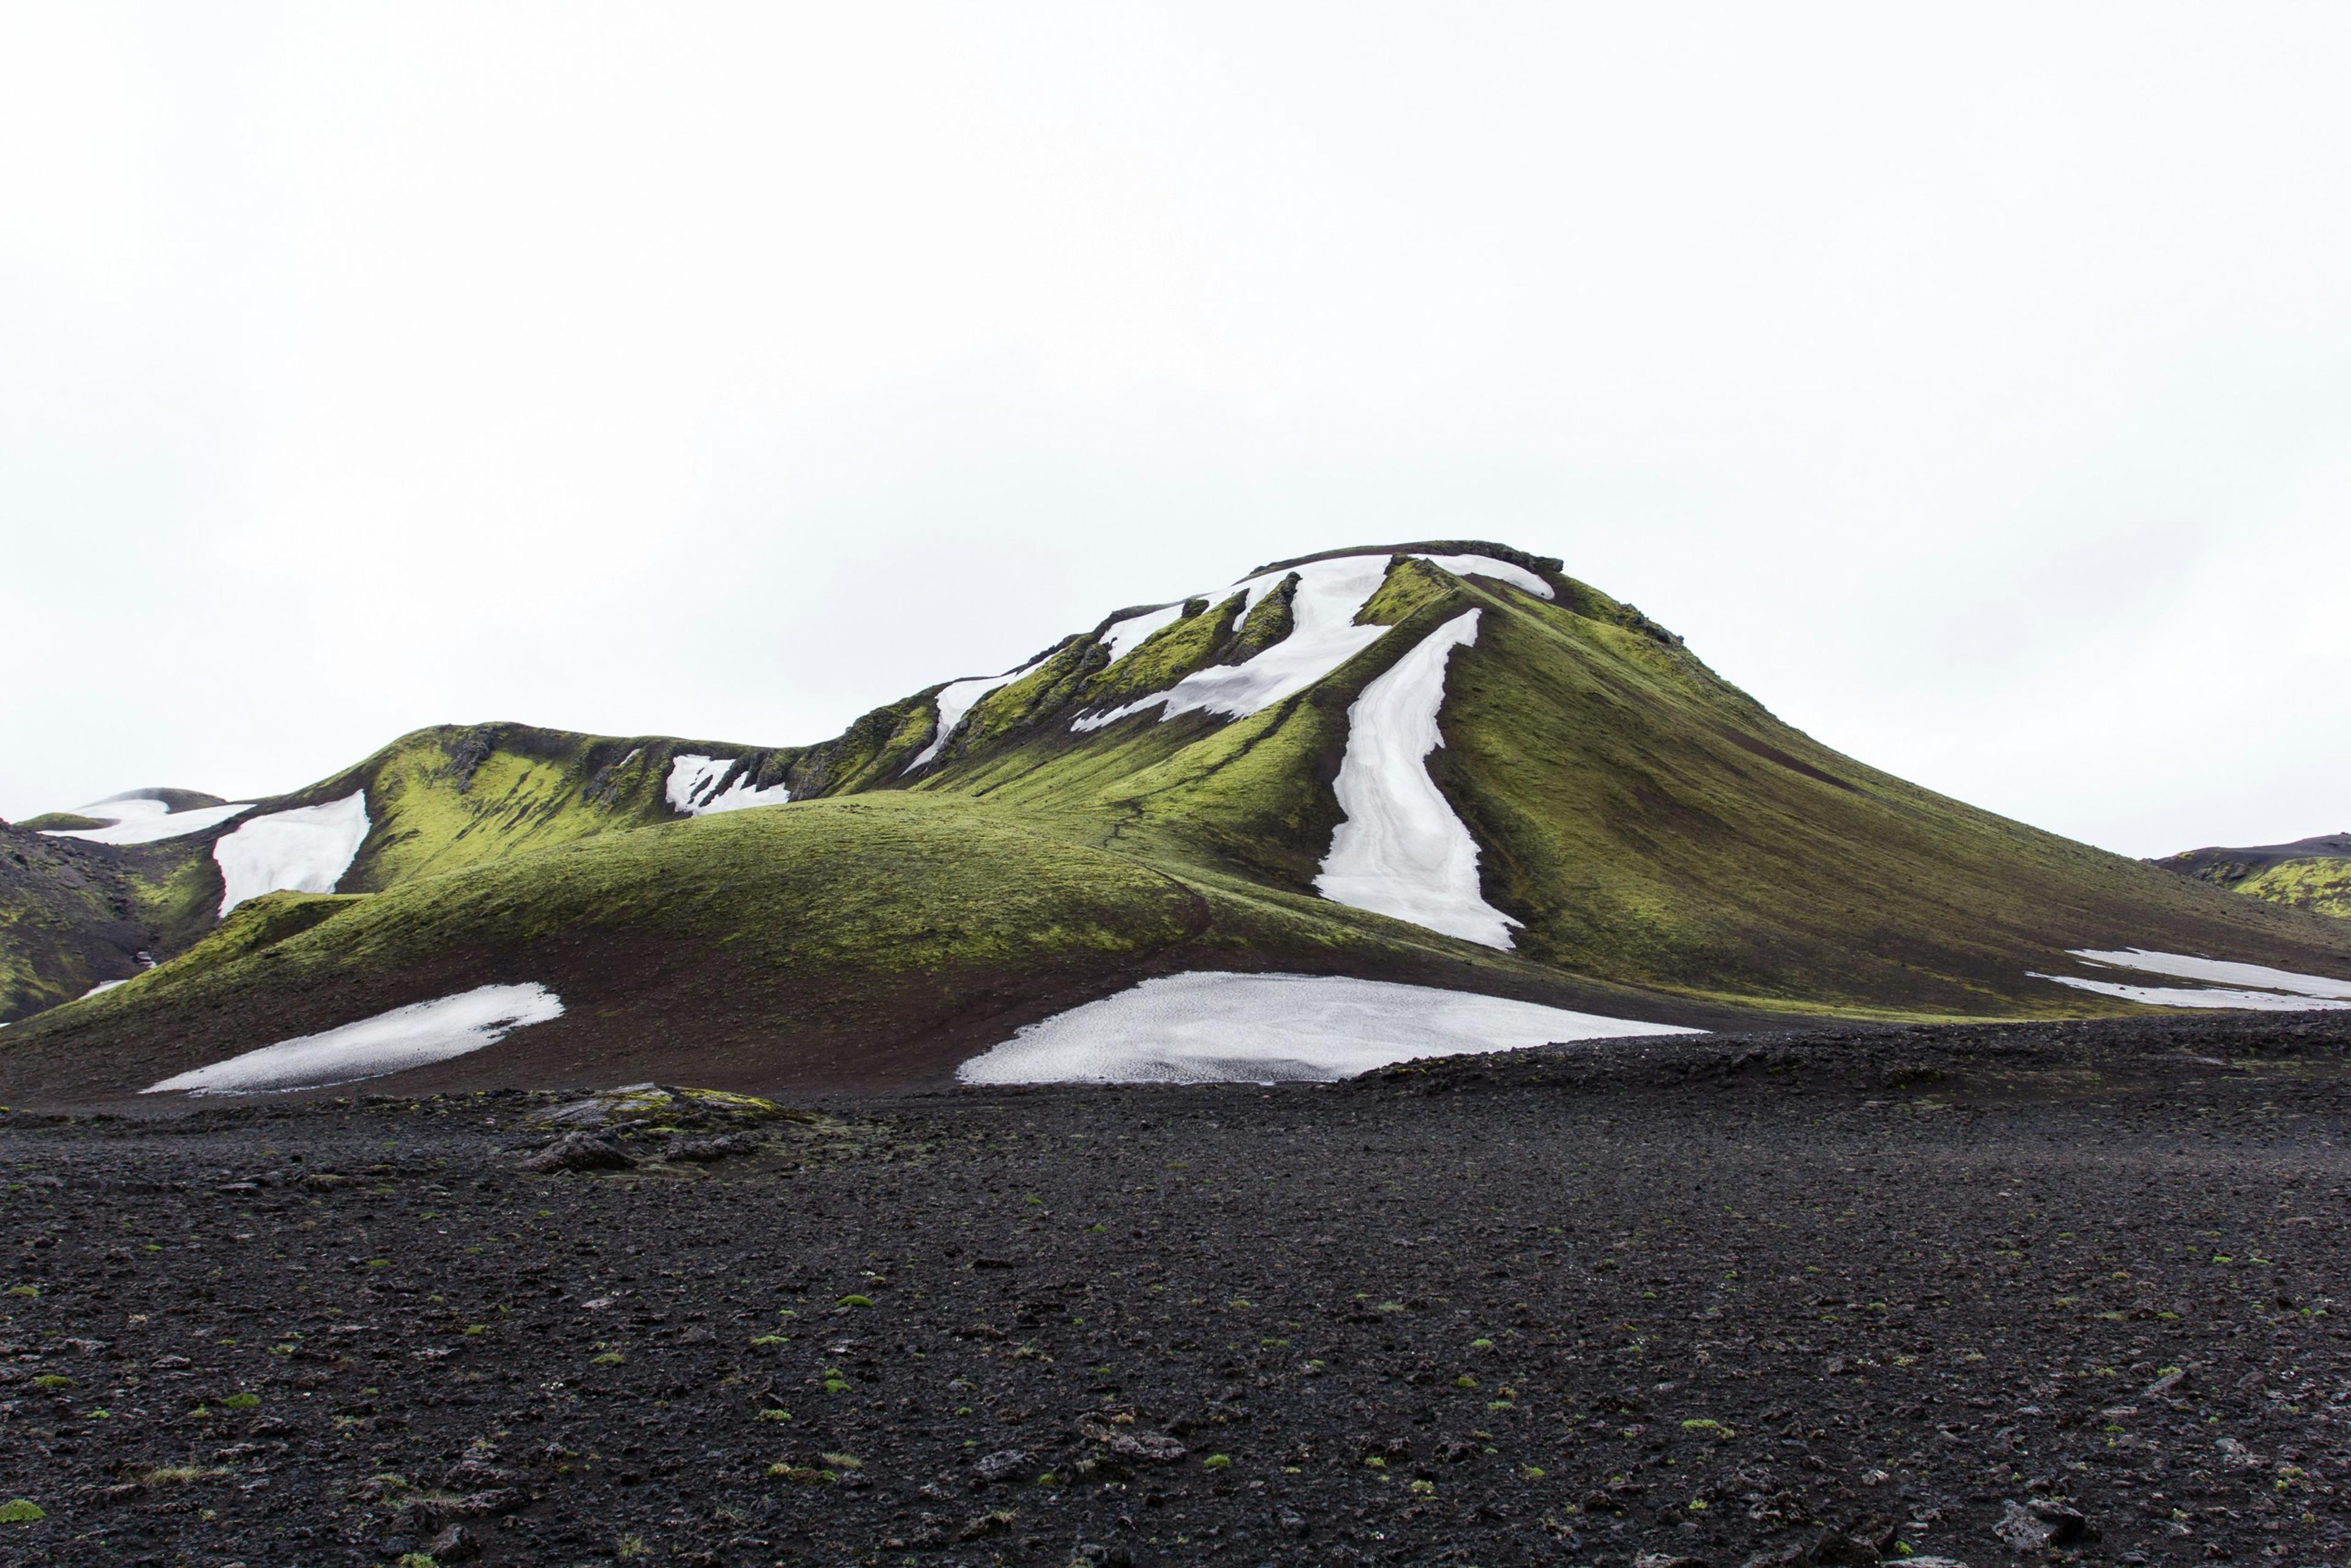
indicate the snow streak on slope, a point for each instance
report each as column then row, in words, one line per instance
column 1217, row 1027
column 413, row 1036
column 143, row 820
column 958, row 698
column 693, row 788
column 2283, row 989
column 305, row 850
column 1401, row 850
column 1323, row 635
column 1123, row 637
column 1487, row 566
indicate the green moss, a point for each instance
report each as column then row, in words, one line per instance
column 1010, row 709
column 2321, row 885
column 1411, row 586
column 1653, row 825
column 60, row 823
column 450, row 800
column 1269, row 622
column 261, row 922
column 1204, row 636
column 872, row 753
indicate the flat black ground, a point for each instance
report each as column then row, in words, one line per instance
column 1707, row 1299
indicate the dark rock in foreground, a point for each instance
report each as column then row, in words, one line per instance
column 2029, row 1295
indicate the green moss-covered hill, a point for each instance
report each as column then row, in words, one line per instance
column 2309, row 874
column 1670, row 849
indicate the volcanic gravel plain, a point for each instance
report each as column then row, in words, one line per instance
column 1990, row 1294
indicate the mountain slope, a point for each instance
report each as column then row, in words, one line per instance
column 75, row 914
column 2309, row 874
column 862, row 942
column 1160, row 792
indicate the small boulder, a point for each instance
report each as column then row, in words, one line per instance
column 1003, row 1465
column 982, row 1526
column 1841, row 1548
column 2043, row 1522
column 2068, row 1526
column 582, row 1150
column 454, row 1544
column 1149, row 1447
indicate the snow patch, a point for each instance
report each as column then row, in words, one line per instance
column 1122, row 637
column 305, row 850
column 693, row 787
column 958, row 698
column 1207, row 1026
column 1401, row 851
column 417, row 1035
column 2196, row 997
column 143, row 820
column 1323, row 635
column 2282, row 990
column 2181, row 967
column 1487, row 566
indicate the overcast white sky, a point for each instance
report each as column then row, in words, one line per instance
column 1972, row 385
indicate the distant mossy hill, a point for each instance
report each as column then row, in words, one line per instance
column 2310, row 873
column 1668, row 849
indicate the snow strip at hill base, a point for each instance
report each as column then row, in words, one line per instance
column 1401, row 850
column 305, row 850
column 2181, row 967
column 693, row 787
column 2285, row 990
column 1323, row 635
column 414, row 1036
column 142, row 820
column 1213, row 1027
column 958, row 698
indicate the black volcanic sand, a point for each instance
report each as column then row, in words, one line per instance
column 1808, row 1294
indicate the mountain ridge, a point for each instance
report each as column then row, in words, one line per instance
column 1657, row 842
column 2313, row 874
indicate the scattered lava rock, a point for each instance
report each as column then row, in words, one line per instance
column 1572, row 1306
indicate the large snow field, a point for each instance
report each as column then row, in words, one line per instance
column 1402, row 851
column 2279, row 990
column 1323, row 635
column 136, row 819
column 958, row 698
column 305, row 850
column 1209, row 1027
column 693, row 787
column 414, row 1036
